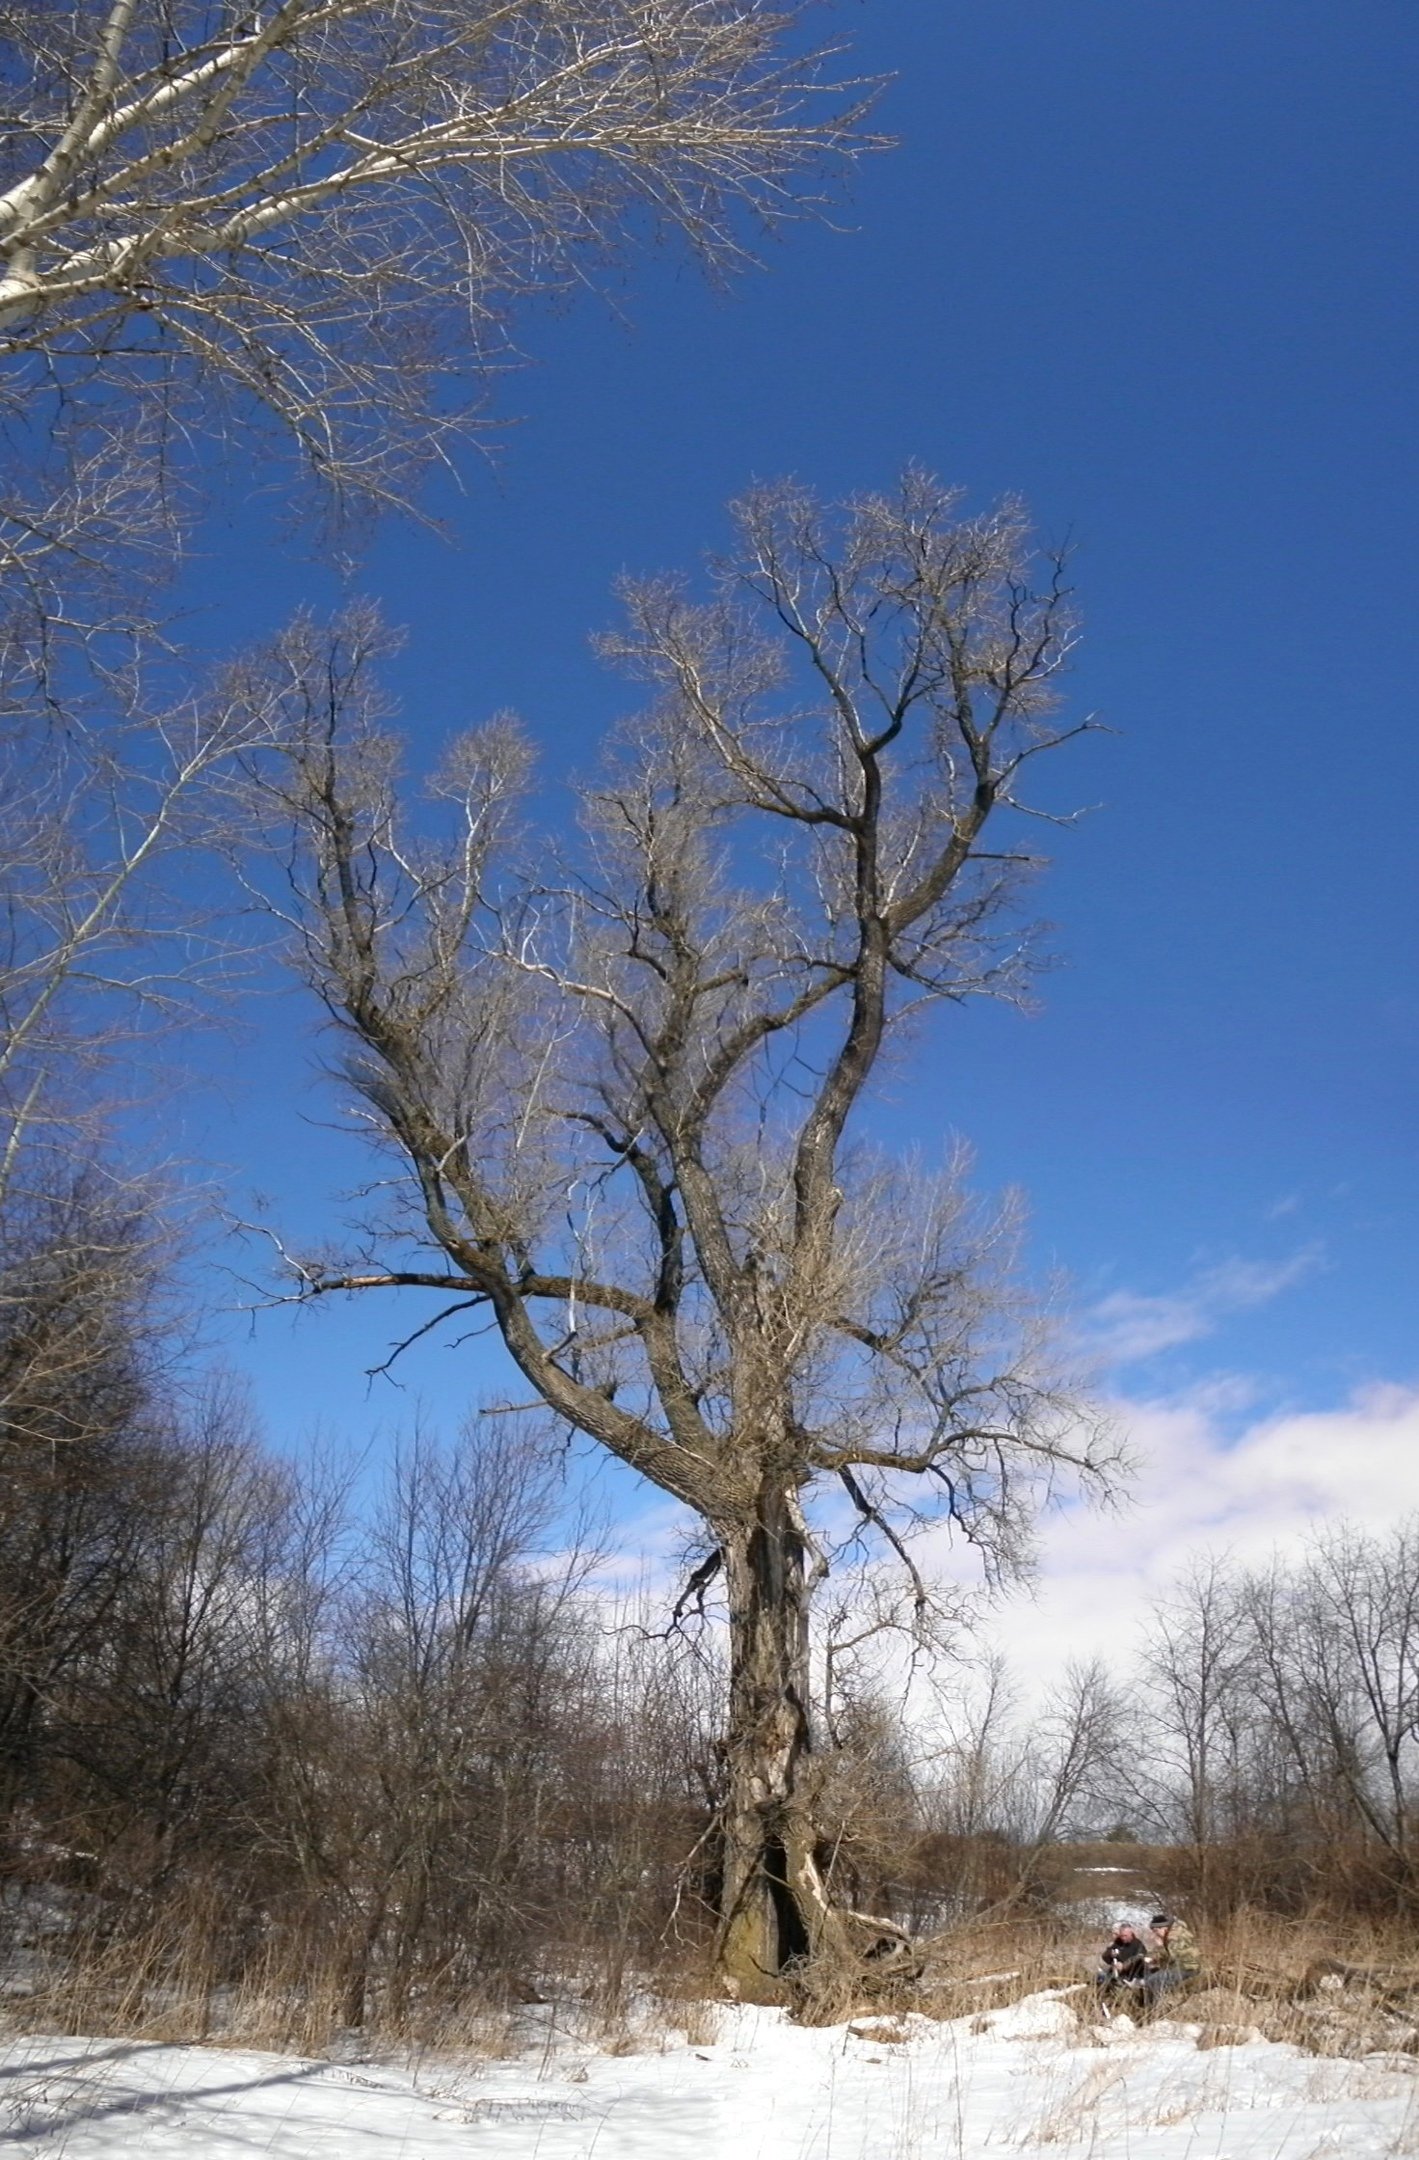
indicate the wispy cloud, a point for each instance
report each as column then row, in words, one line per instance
column 1202, row 1487
column 1127, row 1325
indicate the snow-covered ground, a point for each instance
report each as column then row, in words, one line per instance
column 1025, row 2080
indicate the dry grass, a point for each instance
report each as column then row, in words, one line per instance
column 1264, row 1976
column 167, row 1985
column 1067, row 2119
column 143, row 1991
column 982, row 1967
column 702, row 2024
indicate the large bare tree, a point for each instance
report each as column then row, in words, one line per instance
column 622, row 1088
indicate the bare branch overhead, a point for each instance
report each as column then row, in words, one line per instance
column 323, row 204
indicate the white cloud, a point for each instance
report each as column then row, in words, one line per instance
column 1201, row 1485
column 1198, row 1488
column 1127, row 1326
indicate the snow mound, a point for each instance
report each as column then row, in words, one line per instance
column 1046, row 2016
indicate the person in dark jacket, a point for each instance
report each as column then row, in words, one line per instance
column 1122, row 1965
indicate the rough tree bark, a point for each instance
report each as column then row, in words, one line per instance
column 775, row 1906
column 621, row 1087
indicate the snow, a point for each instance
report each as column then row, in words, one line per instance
column 1107, row 1913
column 1026, row 2080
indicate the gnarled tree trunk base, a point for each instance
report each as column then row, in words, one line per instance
column 874, row 1965
column 784, row 1942
column 782, row 1938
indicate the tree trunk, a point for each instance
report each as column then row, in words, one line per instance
column 413, row 1913
column 357, row 1980
column 775, row 1909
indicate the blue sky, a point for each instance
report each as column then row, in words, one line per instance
column 1153, row 267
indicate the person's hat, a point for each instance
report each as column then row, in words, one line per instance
column 1161, row 1919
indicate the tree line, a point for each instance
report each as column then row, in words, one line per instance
column 400, row 1747
column 393, row 1747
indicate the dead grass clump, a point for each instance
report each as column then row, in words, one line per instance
column 646, row 2025
column 832, row 1997
column 1268, row 1952
column 691, row 1994
column 1345, row 2028
column 824, row 1994
column 1332, row 1987
column 873, row 1968
column 626, row 2043
column 983, row 1967
column 702, row 2022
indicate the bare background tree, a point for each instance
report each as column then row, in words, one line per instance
column 110, row 924
column 1195, row 1661
column 400, row 1764
column 623, row 1093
